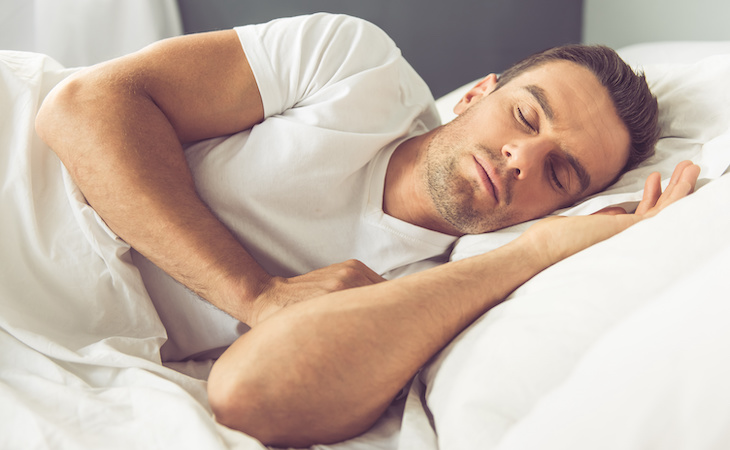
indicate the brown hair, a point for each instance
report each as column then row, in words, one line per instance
column 635, row 105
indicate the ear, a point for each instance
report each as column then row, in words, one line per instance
column 481, row 89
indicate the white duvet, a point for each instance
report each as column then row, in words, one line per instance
column 79, row 337
column 621, row 346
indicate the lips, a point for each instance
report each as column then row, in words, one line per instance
column 488, row 177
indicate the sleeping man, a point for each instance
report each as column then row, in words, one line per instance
column 283, row 171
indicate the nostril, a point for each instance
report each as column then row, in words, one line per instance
column 518, row 172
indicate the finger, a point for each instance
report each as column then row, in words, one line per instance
column 372, row 275
column 652, row 192
column 369, row 274
column 690, row 175
column 678, row 170
column 685, row 184
column 681, row 184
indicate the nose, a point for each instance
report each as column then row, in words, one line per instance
column 525, row 156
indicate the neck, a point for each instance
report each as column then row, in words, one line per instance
column 405, row 195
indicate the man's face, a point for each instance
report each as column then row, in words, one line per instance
column 546, row 139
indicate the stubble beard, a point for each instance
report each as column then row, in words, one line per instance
column 453, row 195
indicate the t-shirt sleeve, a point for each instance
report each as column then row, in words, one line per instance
column 344, row 62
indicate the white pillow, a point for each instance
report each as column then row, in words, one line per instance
column 657, row 380
column 675, row 52
column 494, row 373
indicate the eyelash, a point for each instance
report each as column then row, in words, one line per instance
column 554, row 176
column 523, row 120
column 553, row 173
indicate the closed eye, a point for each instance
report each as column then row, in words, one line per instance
column 554, row 176
column 524, row 121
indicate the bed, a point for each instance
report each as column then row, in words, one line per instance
column 624, row 345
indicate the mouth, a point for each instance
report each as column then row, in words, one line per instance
column 488, row 177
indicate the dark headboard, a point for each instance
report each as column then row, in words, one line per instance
column 449, row 42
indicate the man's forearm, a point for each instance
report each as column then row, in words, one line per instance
column 324, row 370
column 126, row 157
column 118, row 127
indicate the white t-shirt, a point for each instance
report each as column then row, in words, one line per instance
column 304, row 189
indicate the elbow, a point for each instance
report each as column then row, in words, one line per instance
column 245, row 407
column 56, row 114
column 278, row 411
column 271, row 388
column 76, row 115
column 44, row 119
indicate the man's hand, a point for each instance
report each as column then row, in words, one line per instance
column 680, row 185
column 556, row 238
column 280, row 292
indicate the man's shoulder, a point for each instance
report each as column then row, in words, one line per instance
column 339, row 39
column 339, row 23
column 328, row 25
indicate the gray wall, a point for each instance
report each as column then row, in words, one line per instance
column 449, row 42
column 618, row 23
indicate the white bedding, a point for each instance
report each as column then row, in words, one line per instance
column 79, row 338
column 621, row 346
column 584, row 355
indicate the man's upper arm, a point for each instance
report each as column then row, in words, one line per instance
column 203, row 83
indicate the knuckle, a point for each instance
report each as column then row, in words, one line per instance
column 338, row 284
column 351, row 268
column 349, row 273
column 353, row 264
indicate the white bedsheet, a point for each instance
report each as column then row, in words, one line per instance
column 79, row 338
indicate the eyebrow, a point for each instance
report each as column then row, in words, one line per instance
column 583, row 175
column 540, row 96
